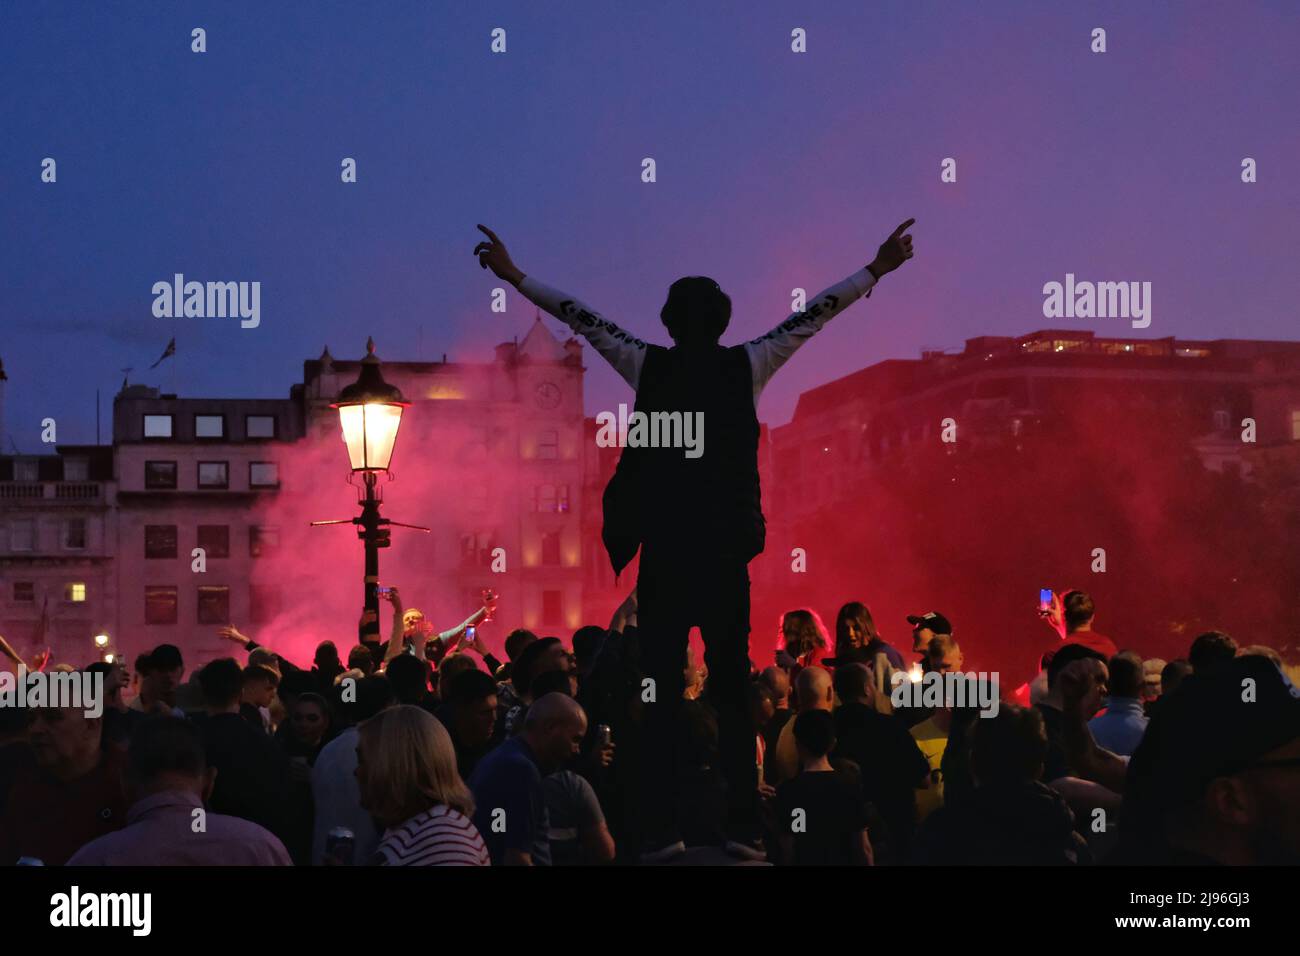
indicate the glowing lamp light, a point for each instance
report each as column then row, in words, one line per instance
column 101, row 640
column 914, row 675
column 370, row 412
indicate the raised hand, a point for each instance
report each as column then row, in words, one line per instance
column 493, row 255
column 893, row 252
column 230, row 633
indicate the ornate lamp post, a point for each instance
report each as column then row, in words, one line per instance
column 370, row 413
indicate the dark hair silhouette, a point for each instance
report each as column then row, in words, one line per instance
column 697, row 311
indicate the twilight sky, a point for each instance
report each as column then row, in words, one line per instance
column 775, row 170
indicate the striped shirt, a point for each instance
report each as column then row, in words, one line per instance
column 437, row 837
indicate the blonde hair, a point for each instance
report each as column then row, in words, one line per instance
column 410, row 766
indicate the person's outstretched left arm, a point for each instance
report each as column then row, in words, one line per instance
column 769, row 352
column 625, row 352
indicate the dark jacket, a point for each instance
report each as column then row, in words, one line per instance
column 659, row 493
column 1020, row 824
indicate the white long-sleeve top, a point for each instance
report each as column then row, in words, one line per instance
column 767, row 353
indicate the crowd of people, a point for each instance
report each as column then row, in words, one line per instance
column 427, row 750
column 619, row 745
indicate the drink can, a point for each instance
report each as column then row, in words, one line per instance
column 340, row 844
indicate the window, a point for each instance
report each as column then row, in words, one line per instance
column 263, row 603
column 552, row 607
column 263, row 542
column 74, row 534
column 76, row 469
column 214, row 539
column 24, row 592
column 1221, row 419
column 214, row 604
column 1295, row 424
column 27, row 471
column 22, row 535
column 160, row 605
column 160, row 541
column 551, row 498
column 209, row 426
column 548, row 444
column 214, row 474
column 160, row 474
column 263, row 474
column 551, row 547
column 476, row 550
column 75, row 593
column 259, row 426
column 157, row 426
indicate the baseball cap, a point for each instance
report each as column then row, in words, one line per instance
column 1205, row 729
column 932, row 620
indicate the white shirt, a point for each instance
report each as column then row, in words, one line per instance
column 767, row 353
column 337, row 796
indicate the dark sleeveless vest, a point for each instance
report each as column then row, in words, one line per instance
column 661, row 496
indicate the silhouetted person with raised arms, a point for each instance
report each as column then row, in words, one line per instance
column 695, row 512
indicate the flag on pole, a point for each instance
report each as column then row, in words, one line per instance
column 167, row 353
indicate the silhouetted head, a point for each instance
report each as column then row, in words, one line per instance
column 697, row 311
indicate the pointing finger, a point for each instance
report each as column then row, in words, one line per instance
column 490, row 234
column 896, row 232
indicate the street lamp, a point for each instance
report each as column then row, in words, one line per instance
column 370, row 413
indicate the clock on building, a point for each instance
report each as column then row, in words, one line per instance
column 547, row 395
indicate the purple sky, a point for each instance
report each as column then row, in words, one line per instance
column 775, row 170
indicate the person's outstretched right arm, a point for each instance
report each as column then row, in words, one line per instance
column 623, row 351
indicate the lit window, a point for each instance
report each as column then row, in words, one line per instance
column 157, row 426
column 209, row 426
column 27, row 471
column 75, row 592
